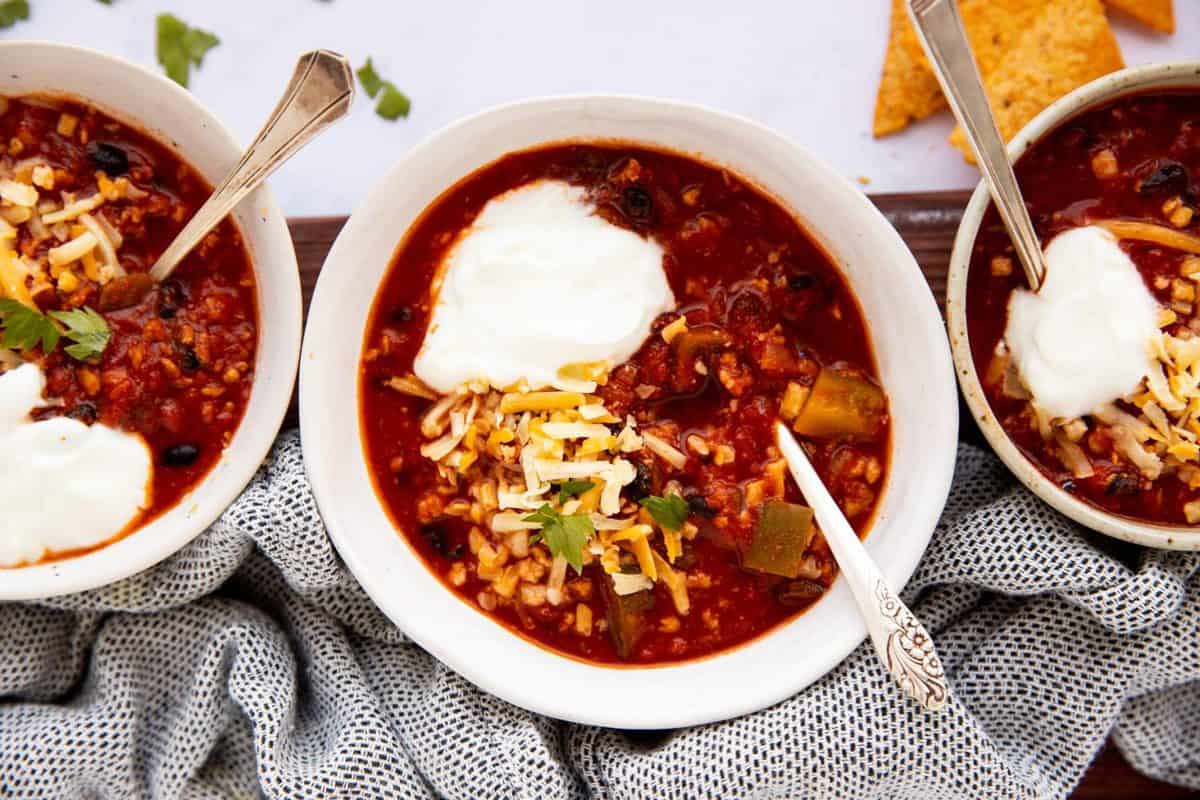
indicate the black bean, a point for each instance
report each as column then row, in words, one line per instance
column 180, row 455
column 1166, row 176
column 108, row 157
column 699, row 506
column 643, row 482
column 801, row 282
column 171, row 296
column 638, row 204
column 402, row 314
column 85, row 412
column 1122, row 485
column 188, row 360
column 435, row 534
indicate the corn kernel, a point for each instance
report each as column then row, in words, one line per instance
column 794, row 398
column 583, row 620
column 1104, row 164
column 1181, row 217
column 675, row 329
column 68, row 281
column 89, row 381
column 43, row 177
column 67, row 124
column 1002, row 266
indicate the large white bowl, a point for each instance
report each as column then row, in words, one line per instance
column 173, row 116
column 906, row 332
column 1185, row 75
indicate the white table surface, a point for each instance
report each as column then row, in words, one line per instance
column 808, row 68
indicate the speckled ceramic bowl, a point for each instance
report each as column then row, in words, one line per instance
column 1177, row 76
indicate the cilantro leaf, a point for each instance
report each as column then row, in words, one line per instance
column 12, row 11
column 179, row 47
column 670, row 511
column 572, row 488
column 25, row 327
column 369, row 78
column 87, row 329
column 565, row 535
column 393, row 104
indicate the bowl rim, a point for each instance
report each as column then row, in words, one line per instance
column 841, row 642
column 1132, row 80
column 180, row 524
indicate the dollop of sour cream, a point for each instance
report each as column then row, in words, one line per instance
column 1082, row 340
column 536, row 283
column 63, row 485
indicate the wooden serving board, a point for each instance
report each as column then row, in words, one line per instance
column 928, row 223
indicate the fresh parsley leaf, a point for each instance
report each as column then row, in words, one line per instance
column 12, row 11
column 25, row 328
column 670, row 511
column 571, row 489
column 106, row 2
column 393, row 103
column 565, row 535
column 369, row 78
column 179, row 47
column 87, row 329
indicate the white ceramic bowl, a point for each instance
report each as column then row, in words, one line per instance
column 1184, row 75
column 905, row 329
column 173, row 116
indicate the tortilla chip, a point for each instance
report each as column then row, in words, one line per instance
column 1062, row 45
column 908, row 89
column 1158, row 14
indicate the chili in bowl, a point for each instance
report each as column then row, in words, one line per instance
column 573, row 339
column 131, row 413
column 1087, row 389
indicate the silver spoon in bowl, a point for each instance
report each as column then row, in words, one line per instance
column 903, row 644
column 320, row 93
column 940, row 29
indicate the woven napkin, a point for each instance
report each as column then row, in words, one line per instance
column 251, row 664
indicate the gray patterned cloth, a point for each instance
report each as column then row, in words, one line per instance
column 252, row 664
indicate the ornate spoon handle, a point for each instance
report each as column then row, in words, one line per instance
column 319, row 94
column 903, row 644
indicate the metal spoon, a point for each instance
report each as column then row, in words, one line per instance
column 940, row 29
column 902, row 642
column 319, row 94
